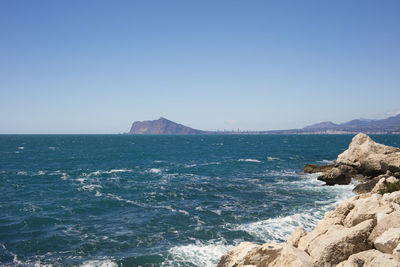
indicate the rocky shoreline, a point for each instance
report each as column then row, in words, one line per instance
column 362, row 231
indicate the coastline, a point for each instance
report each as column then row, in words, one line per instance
column 363, row 230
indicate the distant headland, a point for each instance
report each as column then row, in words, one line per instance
column 389, row 125
column 162, row 126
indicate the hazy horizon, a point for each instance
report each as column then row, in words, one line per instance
column 97, row 66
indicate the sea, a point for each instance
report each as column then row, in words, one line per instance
column 148, row 200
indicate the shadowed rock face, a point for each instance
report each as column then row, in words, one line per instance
column 161, row 126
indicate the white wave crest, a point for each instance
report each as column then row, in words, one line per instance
column 99, row 263
column 282, row 173
column 100, row 172
column 21, row 147
column 155, row 170
column 326, row 161
column 279, row 229
column 198, row 254
column 116, row 197
column 15, row 257
column 272, row 158
column 91, row 187
column 190, row 165
column 249, row 160
column 64, row 176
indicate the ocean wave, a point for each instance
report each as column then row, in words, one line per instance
column 272, row 158
column 91, row 187
column 201, row 164
column 21, row 148
column 173, row 210
column 99, row 263
column 249, row 160
column 116, row 197
column 326, row 161
column 100, row 172
column 198, row 254
column 279, row 229
column 283, row 173
column 16, row 261
column 190, row 165
column 154, row 170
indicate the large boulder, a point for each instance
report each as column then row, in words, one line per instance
column 371, row 258
column 331, row 218
column 392, row 200
column 295, row 237
column 293, row 257
column 388, row 241
column 339, row 242
column 340, row 174
column 366, row 207
column 236, row 255
column 370, row 158
column 251, row 254
column 363, row 160
column 384, row 223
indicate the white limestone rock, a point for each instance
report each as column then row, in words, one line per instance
column 295, row 237
column 370, row 258
column 339, row 242
column 388, row 241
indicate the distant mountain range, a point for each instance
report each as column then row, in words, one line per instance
column 390, row 125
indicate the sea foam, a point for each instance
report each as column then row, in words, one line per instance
column 198, row 254
column 99, row 263
column 249, row 160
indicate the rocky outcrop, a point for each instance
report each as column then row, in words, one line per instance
column 388, row 241
column 339, row 174
column 371, row 258
column 251, row 254
column 362, row 231
column 370, row 158
column 364, row 161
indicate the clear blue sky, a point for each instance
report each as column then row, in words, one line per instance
column 96, row 66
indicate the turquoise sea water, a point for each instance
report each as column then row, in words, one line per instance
column 108, row 200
